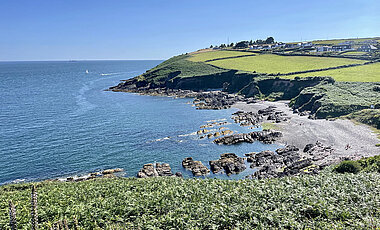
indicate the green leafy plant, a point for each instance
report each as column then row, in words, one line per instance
column 348, row 167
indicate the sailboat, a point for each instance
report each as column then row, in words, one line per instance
column 86, row 70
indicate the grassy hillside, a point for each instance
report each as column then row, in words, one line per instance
column 365, row 73
column 270, row 63
column 206, row 56
column 367, row 116
column 326, row 201
column 341, row 98
column 178, row 67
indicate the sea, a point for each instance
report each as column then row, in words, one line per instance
column 56, row 121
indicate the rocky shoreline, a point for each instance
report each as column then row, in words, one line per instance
column 288, row 161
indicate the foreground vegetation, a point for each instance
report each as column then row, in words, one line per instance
column 270, row 63
column 368, row 164
column 326, row 201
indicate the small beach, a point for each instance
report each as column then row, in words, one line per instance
column 338, row 133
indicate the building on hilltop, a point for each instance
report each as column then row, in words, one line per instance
column 367, row 48
column 290, row 45
column 341, row 47
column 305, row 44
column 323, row 48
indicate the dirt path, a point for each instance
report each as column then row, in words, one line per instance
column 299, row 131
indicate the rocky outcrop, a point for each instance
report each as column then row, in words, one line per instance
column 289, row 161
column 229, row 162
column 155, row 170
column 273, row 115
column 247, row 118
column 216, row 100
column 108, row 173
column 265, row 136
column 196, row 167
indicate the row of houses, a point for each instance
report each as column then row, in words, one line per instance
column 346, row 47
column 365, row 46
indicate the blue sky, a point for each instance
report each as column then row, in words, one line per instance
column 159, row 29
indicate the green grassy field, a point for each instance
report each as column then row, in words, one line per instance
column 205, row 56
column 269, row 63
column 356, row 53
column 366, row 73
column 326, row 201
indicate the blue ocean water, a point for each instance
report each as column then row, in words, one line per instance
column 56, row 120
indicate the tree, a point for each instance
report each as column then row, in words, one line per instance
column 211, row 47
column 259, row 41
column 242, row 44
column 270, row 40
column 232, row 44
column 250, row 42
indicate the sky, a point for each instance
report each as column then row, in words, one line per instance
column 158, row 29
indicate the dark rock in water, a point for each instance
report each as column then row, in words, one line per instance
column 230, row 162
column 250, row 156
column 196, row 167
column 111, row 171
column 155, row 170
column 178, row 174
column 265, row 136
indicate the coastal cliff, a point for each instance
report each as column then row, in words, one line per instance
column 322, row 97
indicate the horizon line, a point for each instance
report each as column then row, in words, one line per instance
column 78, row 60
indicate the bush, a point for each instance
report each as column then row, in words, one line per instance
column 370, row 164
column 348, row 167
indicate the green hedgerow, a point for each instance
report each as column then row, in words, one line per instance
column 348, row 167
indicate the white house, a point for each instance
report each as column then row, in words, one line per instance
column 323, row 48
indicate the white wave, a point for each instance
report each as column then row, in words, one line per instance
column 17, row 181
column 160, row 139
column 222, row 119
column 108, row 74
column 189, row 134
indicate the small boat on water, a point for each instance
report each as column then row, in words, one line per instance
column 86, row 70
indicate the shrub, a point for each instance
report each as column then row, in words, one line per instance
column 348, row 167
column 370, row 164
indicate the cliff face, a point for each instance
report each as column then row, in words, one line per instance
column 321, row 96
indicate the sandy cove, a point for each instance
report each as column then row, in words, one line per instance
column 300, row 130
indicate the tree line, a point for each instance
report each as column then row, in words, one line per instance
column 245, row 44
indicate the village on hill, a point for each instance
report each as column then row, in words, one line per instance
column 354, row 47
